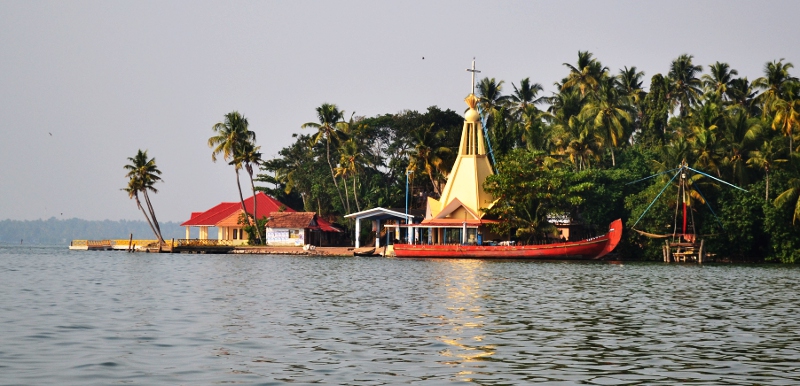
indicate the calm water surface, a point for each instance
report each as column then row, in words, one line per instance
column 114, row 318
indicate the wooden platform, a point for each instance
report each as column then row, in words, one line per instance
column 684, row 252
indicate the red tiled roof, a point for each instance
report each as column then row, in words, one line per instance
column 326, row 226
column 211, row 217
column 292, row 220
column 303, row 220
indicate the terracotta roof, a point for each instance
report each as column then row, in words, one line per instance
column 220, row 212
column 297, row 220
column 292, row 220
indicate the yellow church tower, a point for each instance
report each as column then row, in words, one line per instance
column 463, row 196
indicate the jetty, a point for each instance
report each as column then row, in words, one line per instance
column 206, row 246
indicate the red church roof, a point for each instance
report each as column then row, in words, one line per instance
column 213, row 216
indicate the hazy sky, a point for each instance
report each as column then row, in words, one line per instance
column 83, row 85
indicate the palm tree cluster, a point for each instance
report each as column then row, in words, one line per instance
column 142, row 176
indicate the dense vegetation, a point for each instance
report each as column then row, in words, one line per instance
column 576, row 151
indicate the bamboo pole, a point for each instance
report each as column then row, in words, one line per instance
column 130, row 243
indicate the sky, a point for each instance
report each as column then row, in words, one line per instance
column 85, row 84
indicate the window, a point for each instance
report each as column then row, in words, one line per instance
column 236, row 234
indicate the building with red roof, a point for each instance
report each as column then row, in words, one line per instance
column 226, row 217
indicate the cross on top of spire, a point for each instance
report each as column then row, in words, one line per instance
column 473, row 71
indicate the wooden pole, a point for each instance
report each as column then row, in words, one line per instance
column 172, row 246
column 669, row 252
column 700, row 253
column 130, row 243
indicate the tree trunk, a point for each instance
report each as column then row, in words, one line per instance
column 330, row 165
column 346, row 194
column 153, row 215
column 355, row 195
column 255, row 202
column 613, row 161
column 139, row 204
column 435, row 187
column 241, row 197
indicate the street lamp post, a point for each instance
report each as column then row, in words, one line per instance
column 408, row 172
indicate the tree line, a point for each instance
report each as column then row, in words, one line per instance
column 574, row 152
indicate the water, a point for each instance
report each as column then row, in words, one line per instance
column 114, row 318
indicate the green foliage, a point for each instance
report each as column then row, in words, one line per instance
column 574, row 152
column 528, row 189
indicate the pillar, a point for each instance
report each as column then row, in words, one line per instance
column 187, row 233
column 378, row 234
column 358, row 231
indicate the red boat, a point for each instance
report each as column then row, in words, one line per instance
column 589, row 249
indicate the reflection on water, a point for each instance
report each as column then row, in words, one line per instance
column 110, row 317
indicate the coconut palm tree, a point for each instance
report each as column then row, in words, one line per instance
column 767, row 156
column 350, row 163
column 629, row 83
column 718, row 80
column 524, row 96
column 328, row 115
column 743, row 93
column 786, row 110
column 586, row 74
column 428, row 153
column 133, row 189
column 610, row 113
column 142, row 175
column 792, row 194
column 232, row 134
column 247, row 156
column 741, row 134
column 776, row 76
column 685, row 84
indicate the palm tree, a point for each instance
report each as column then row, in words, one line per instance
column 586, row 74
column 579, row 140
column 349, row 164
column 765, row 158
column 247, row 156
column 133, row 189
column 792, row 194
column 328, row 116
column 491, row 98
column 524, row 96
column 232, row 135
column 776, row 76
column 719, row 79
column 629, row 83
column 610, row 113
column 742, row 93
column 428, row 153
column 685, row 84
column 786, row 110
column 741, row 134
column 142, row 175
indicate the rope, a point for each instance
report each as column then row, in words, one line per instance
column 654, row 200
column 486, row 135
column 716, row 179
column 654, row 175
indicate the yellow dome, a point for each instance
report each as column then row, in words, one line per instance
column 472, row 116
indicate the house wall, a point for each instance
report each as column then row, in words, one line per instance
column 294, row 237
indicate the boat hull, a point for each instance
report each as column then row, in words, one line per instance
column 589, row 249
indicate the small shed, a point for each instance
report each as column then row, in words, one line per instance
column 296, row 229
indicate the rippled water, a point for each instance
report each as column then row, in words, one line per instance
column 116, row 318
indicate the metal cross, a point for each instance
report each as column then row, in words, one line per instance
column 473, row 71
